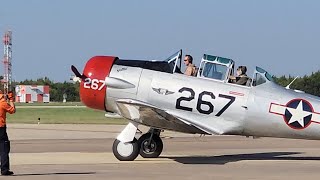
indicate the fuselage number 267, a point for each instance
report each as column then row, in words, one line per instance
column 201, row 102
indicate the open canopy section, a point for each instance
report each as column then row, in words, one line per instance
column 173, row 61
column 169, row 65
column 261, row 76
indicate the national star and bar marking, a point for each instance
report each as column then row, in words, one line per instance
column 297, row 113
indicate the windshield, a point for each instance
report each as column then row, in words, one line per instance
column 173, row 61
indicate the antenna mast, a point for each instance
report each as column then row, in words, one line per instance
column 7, row 77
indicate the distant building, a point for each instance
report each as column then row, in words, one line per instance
column 32, row 93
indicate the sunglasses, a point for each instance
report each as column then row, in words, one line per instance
column 185, row 60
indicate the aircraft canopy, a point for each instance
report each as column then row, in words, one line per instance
column 217, row 59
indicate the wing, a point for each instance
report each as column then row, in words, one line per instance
column 153, row 116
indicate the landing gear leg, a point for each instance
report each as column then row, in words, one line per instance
column 151, row 144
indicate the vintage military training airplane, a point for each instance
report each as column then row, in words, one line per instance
column 156, row 94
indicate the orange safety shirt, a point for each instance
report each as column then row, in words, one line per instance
column 4, row 108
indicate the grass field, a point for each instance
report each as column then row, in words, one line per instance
column 60, row 115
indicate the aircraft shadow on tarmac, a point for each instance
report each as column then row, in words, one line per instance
column 49, row 174
column 224, row 159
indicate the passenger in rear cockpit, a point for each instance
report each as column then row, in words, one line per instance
column 241, row 78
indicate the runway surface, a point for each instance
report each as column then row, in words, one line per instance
column 56, row 156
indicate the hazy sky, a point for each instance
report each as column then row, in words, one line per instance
column 282, row 36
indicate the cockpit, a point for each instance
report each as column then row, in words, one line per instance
column 222, row 69
column 211, row 67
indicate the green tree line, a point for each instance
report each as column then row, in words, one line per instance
column 57, row 89
column 309, row 84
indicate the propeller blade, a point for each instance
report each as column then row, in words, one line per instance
column 75, row 71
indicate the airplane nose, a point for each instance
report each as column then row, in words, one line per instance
column 93, row 86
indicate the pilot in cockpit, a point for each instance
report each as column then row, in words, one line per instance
column 241, row 78
column 191, row 69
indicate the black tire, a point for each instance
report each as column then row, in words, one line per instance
column 155, row 148
column 129, row 154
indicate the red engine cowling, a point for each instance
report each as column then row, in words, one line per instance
column 92, row 87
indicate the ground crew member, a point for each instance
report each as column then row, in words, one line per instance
column 4, row 140
column 191, row 69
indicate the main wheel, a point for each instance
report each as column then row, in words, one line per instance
column 151, row 149
column 126, row 151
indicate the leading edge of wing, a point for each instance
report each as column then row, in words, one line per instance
column 150, row 115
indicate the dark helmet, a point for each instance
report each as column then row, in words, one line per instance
column 243, row 69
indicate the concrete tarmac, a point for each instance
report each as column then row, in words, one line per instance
column 55, row 155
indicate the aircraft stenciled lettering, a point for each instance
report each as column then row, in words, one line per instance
column 201, row 102
column 121, row 69
column 94, row 84
column 297, row 113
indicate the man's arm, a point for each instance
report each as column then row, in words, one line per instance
column 232, row 79
column 12, row 105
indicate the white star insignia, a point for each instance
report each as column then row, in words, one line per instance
column 298, row 114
